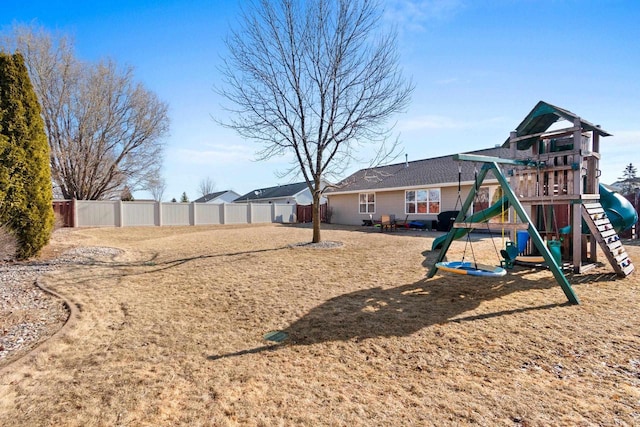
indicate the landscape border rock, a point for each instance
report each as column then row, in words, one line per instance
column 327, row 244
column 22, row 291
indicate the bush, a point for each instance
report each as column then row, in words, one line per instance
column 25, row 174
column 8, row 244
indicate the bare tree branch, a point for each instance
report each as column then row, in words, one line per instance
column 315, row 79
column 104, row 129
column 157, row 187
column 206, row 186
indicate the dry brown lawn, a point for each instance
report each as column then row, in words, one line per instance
column 170, row 332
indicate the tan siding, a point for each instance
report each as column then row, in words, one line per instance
column 449, row 198
column 345, row 206
column 345, row 209
column 390, row 203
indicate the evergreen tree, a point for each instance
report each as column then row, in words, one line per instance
column 629, row 180
column 126, row 195
column 184, row 198
column 25, row 176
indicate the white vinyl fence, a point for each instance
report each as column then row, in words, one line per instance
column 116, row 213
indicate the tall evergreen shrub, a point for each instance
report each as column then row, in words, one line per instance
column 25, row 176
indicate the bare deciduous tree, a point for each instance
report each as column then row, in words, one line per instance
column 104, row 129
column 206, row 186
column 313, row 78
column 156, row 186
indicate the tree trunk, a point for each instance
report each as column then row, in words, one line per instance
column 316, row 215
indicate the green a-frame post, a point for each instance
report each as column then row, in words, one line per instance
column 491, row 164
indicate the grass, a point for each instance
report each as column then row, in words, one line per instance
column 171, row 333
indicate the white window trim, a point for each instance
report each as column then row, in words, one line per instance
column 375, row 198
column 416, row 202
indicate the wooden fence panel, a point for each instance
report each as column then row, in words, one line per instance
column 64, row 211
column 305, row 213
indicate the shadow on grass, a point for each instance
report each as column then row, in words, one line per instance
column 631, row 242
column 115, row 269
column 372, row 312
column 403, row 310
column 271, row 347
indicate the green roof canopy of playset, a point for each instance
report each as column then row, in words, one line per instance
column 550, row 168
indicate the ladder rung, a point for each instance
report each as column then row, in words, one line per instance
column 609, row 240
column 615, row 248
column 621, row 257
column 628, row 269
column 588, row 206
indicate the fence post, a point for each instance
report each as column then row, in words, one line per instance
column 158, row 213
column 192, row 213
column 249, row 213
column 74, row 213
column 223, row 212
column 119, row 216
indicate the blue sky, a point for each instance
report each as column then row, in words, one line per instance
column 478, row 67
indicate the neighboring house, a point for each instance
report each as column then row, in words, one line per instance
column 218, row 197
column 297, row 194
column 417, row 190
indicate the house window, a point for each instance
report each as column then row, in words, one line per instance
column 481, row 200
column 422, row 201
column 367, row 203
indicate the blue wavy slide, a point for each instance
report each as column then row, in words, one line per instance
column 619, row 210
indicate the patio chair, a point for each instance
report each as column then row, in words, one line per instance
column 387, row 222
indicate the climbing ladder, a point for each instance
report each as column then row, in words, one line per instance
column 602, row 229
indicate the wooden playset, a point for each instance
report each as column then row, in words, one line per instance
column 554, row 194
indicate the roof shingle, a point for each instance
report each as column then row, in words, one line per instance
column 433, row 171
column 287, row 190
column 210, row 196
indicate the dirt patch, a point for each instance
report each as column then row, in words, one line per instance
column 171, row 328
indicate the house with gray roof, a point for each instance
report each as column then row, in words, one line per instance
column 416, row 190
column 218, row 197
column 297, row 193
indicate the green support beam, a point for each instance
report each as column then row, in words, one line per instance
column 491, row 163
column 491, row 159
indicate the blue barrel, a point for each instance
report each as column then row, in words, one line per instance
column 522, row 239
